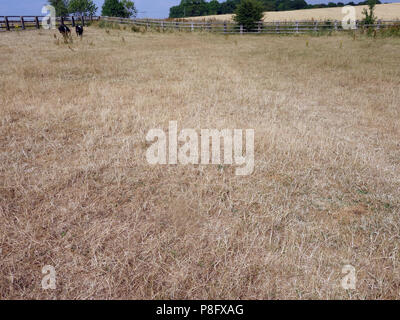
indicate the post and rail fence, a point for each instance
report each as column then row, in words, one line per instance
column 11, row 23
column 225, row 27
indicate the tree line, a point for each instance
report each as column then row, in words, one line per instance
column 194, row 8
column 110, row 8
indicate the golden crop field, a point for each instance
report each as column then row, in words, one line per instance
column 390, row 11
column 77, row 193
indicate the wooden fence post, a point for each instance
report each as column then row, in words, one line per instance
column 192, row 27
column 37, row 22
column 241, row 29
column 336, row 25
column 162, row 26
column 22, row 23
column 316, row 26
column 73, row 21
column 297, row 27
column 225, row 28
column 83, row 21
column 7, row 23
column 277, row 27
column 62, row 20
column 379, row 24
column 259, row 27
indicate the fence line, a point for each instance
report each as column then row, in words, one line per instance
column 277, row 27
column 10, row 23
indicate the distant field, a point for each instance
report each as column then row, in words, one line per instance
column 77, row 193
column 383, row 11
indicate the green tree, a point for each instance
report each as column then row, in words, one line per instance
column 190, row 8
column 213, row 7
column 82, row 7
column 61, row 7
column 176, row 12
column 229, row 6
column 130, row 9
column 116, row 8
column 369, row 16
column 112, row 8
column 248, row 13
column 269, row 5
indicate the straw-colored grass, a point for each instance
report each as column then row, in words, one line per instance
column 76, row 191
column 390, row 11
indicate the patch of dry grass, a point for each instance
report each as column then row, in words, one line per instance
column 388, row 11
column 76, row 192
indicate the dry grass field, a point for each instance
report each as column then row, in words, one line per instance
column 77, row 193
column 390, row 11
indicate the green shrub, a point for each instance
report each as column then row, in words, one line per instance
column 108, row 25
column 135, row 28
column 102, row 24
column 392, row 31
column 369, row 16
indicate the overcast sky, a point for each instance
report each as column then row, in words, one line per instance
column 147, row 8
